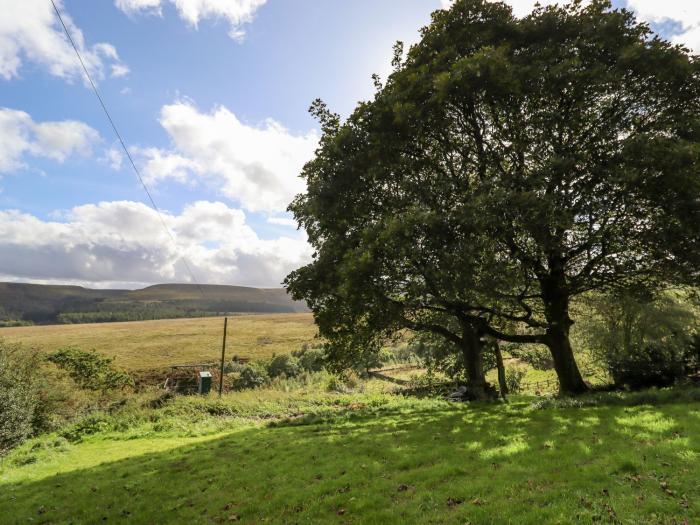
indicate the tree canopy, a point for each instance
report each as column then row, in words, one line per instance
column 506, row 166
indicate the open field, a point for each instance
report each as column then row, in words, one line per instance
column 141, row 345
column 374, row 459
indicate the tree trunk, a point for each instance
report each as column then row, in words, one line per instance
column 472, row 347
column 570, row 379
column 501, row 370
column 556, row 303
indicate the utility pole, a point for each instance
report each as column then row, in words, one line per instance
column 223, row 355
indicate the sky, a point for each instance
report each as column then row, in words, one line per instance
column 211, row 97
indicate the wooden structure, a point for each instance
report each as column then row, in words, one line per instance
column 183, row 379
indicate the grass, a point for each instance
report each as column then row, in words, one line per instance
column 366, row 458
column 143, row 345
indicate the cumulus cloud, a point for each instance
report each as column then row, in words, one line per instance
column 283, row 221
column 31, row 32
column 256, row 166
column 684, row 13
column 20, row 135
column 236, row 12
column 520, row 7
column 123, row 243
column 158, row 165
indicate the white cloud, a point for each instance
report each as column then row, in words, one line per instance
column 283, row 221
column 236, row 12
column 520, row 7
column 31, row 32
column 685, row 13
column 158, row 165
column 114, row 157
column 20, row 136
column 257, row 166
column 123, row 243
column 119, row 70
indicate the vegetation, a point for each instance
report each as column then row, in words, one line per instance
column 285, row 365
column 314, row 456
column 511, row 176
column 39, row 395
column 147, row 345
column 253, row 375
column 645, row 341
column 90, row 370
column 506, row 167
column 17, row 396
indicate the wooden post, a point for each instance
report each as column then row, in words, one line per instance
column 223, row 354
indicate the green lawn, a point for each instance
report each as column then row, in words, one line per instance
column 407, row 462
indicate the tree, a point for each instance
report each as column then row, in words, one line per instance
column 507, row 166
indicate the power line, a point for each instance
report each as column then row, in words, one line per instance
column 126, row 151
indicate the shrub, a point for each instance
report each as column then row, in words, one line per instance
column 18, row 396
column 252, row 375
column 60, row 400
column 538, row 357
column 404, row 353
column 283, row 364
column 310, row 359
column 644, row 340
column 642, row 366
column 90, row 370
column 514, row 377
column 343, row 382
column 92, row 424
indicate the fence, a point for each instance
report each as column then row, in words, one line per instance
column 545, row 385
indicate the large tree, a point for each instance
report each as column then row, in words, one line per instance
column 507, row 166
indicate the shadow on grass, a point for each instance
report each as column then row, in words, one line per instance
column 452, row 465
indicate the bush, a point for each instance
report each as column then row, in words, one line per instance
column 537, row 357
column 404, row 353
column 60, row 400
column 644, row 341
column 92, row 424
column 342, row 383
column 18, row 396
column 514, row 377
column 311, row 359
column 283, row 364
column 252, row 375
column 90, row 370
column 648, row 365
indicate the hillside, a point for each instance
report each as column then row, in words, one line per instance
column 50, row 304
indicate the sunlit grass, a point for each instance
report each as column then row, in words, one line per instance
column 372, row 458
column 152, row 344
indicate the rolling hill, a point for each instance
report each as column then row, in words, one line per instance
column 50, row 304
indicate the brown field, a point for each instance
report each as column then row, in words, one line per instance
column 140, row 345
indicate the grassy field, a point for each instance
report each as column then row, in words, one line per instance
column 143, row 345
column 367, row 458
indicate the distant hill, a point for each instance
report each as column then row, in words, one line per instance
column 49, row 304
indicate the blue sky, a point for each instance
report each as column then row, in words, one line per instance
column 212, row 102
